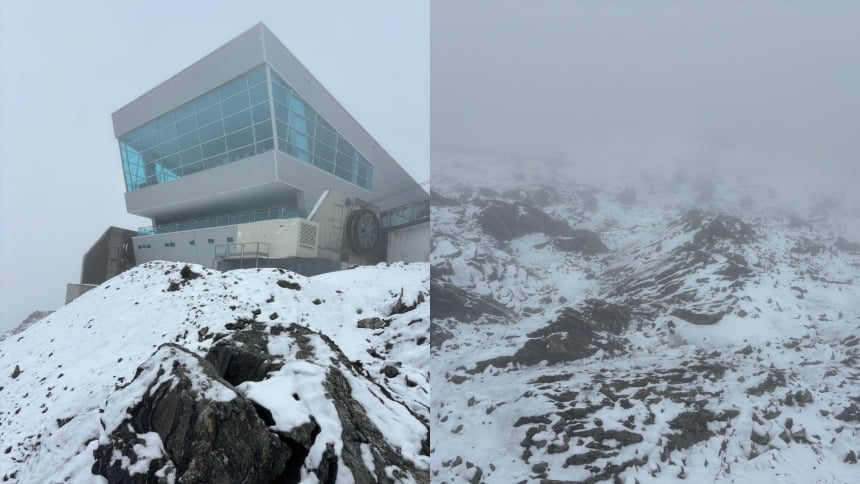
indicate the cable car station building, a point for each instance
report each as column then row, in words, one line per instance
column 243, row 159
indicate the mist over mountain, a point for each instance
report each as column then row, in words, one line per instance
column 641, row 325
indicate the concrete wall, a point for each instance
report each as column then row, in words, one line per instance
column 281, row 235
column 410, row 244
column 105, row 258
column 201, row 252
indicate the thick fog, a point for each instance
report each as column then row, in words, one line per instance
column 771, row 86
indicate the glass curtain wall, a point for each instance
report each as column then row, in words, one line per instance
column 234, row 122
column 306, row 135
column 227, row 124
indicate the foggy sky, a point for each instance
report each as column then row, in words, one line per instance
column 66, row 66
column 776, row 80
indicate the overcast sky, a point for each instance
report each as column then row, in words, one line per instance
column 66, row 66
column 776, row 81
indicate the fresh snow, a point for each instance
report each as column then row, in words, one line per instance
column 75, row 365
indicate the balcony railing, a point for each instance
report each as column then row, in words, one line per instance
column 220, row 220
column 411, row 213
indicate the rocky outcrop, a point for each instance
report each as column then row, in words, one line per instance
column 505, row 221
column 581, row 241
column 208, row 433
column 188, row 421
column 575, row 334
column 449, row 301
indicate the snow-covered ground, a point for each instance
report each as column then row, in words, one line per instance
column 64, row 381
column 762, row 386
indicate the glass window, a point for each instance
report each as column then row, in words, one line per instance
column 164, row 120
column 188, row 140
column 209, row 115
column 326, row 136
column 190, row 155
column 235, row 104
column 263, row 130
column 344, row 147
column 237, row 121
column 258, row 94
column 300, row 140
column 211, row 241
column 240, row 138
column 264, row 146
column 257, row 76
column 211, row 131
column 207, row 100
column 323, row 164
column 260, row 112
column 323, row 151
column 167, row 149
column 193, row 168
column 185, row 125
column 185, row 111
column 213, row 147
column 232, row 122
column 282, row 129
column 231, row 88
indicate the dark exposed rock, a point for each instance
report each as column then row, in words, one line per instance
column 390, row 371
column 697, row 318
column 450, row 301
column 506, row 221
column 543, row 419
column 438, row 335
column 847, row 246
column 581, row 241
column 371, row 323
column 851, row 413
column 187, row 274
column 16, row 372
column 289, row 285
column 242, row 357
column 691, row 427
column 570, row 337
column 400, row 307
column 724, row 227
column 774, row 379
column 206, row 440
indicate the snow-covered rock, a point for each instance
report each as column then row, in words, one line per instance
column 729, row 351
column 172, row 373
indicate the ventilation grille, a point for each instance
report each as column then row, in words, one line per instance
column 308, row 236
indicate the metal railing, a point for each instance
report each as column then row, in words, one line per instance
column 220, row 220
column 245, row 250
column 410, row 213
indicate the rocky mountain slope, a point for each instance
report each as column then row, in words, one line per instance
column 645, row 327
column 172, row 373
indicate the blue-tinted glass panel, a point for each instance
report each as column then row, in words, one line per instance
column 234, row 87
column 263, row 130
column 211, row 131
column 237, row 121
column 213, row 147
column 258, row 94
column 303, row 133
column 209, row 115
column 240, row 138
column 188, row 140
column 260, row 112
column 257, row 76
column 235, row 104
column 232, row 122
column 185, row 125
